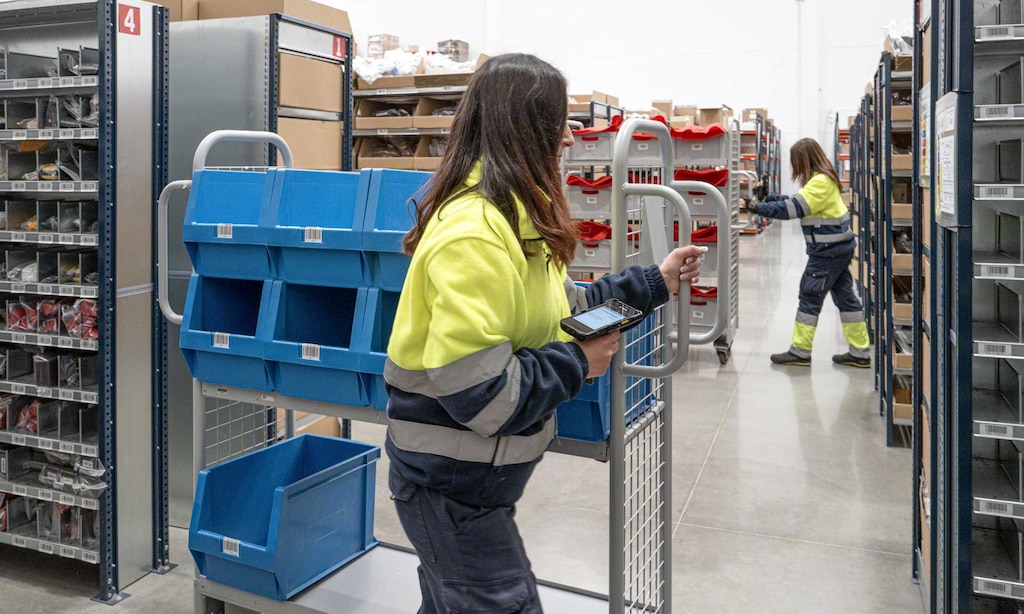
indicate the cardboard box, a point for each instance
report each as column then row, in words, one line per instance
column 903, row 162
column 315, row 144
column 682, row 121
column 926, row 369
column 664, row 107
column 847, row 197
column 750, row 115
column 378, row 44
column 582, row 104
column 903, row 361
column 428, row 79
column 902, row 212
column 926, row 216
column 901, row 406
column 903, row 113
column 423, row 160
column 902, row 311
column 685, row 110
column 457, row 50
column 850, row 121
column 900, row 63
column 902, row 262
column 612, row 100
column 926, row 289
column 926, row 57
column 365, row 160
column 388, row 83
column 423, row 116
column 365, row 119
column 714, row 115
column 855, row 271
column 327, row 426
column 306, row 10
column 173, row 8
column 901, row 193
column 298, row 72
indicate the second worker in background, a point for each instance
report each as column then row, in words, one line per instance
column 830, row 244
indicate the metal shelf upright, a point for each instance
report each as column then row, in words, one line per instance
column 84, row 84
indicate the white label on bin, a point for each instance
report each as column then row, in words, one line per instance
column 996, row 508
column 46, row 547
column 90, row 557
column 66, row 239
column 314, row 235
column 67, row 552
column 698, row 201
column 591, row 200
column 697, row 146
column 45, row 340
column 65, row 342
column 590, row 146
column 18, row 186
column 20, row 135
column 698, row 315
column 67, row 186
column 18, row 337
column 230, row 546
column 45, row 187
column 46, row 495
column 47, row 238
column 45, row 444
column 3, row 465
column 994, row 112
column 994, row 430
column 67, row 499
column 223, row 231
column 590, row 253
column 19, row 542
column 91, row 504
column 222, row 340
column 991, row 192
column 995, row 32
column 382, row 131
column 642, row 146
column 67, row 134
column 18, row 388
column 310, row 351
column 67, row 395
column 994, row 588
column 67, row 447
column 18, row 440
column 996, row 271
column 996, row 349
column 20, row 490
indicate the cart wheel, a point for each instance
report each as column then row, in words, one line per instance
column 723, row 355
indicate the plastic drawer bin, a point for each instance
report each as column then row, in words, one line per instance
column 591, row 146
column 703, row 306
column 307, row 340
column 222, row 230
column 275, row 521
column 593, row 256
column 644, row 150
column 707, row 237
column 377, row 322
column 389, row 215
column 218, row 333
column 315, row 227
column 589, row 199
column 699, row 201
column 697, row 146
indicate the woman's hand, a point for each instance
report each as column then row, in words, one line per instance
column 683, row 264
column 599, row 352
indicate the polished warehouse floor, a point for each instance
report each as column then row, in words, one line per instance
column 785, row 497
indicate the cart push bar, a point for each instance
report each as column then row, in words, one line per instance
column 672, row 194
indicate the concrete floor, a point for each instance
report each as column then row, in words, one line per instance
column 784, row 494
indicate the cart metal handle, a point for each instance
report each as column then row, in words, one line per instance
column 724, row 253
column 161, row 252
column 245, row 136
column 683, row 306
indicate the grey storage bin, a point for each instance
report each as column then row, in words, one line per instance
column 703, row 312
column 587, row 203
column 591, row 147
column 708, row 152
column 593, row 256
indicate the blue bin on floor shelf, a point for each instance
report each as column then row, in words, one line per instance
column 218, row 332
column 222, row 230
column 377, row 322
column 314, row 227
column 585, row 417
column 389, row 215
column 307, row 341
column 275, row 521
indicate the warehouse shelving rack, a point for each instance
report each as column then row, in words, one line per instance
column 976, row 502
column 862, row 168
column 115, row 54
column 241, row 59
column 760, row 159
column 638, row 452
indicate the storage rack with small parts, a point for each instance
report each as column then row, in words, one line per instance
column 757, row 162
column 82, row 126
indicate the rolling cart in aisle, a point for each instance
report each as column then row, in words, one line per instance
column 636, row 446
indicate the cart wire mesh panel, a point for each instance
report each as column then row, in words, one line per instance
column 234, row 428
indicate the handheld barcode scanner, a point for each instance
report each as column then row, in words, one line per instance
column 605, row 318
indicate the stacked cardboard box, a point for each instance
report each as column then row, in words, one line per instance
column 457, row 50
column 378, row 44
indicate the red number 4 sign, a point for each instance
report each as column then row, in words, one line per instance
column 128, row 20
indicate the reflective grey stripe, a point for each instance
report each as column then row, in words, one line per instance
column 801, row 202
column 416, row 382
column 496, row 413
column 833, row 238
column 799, row 352
column 806, row 319
column 791, row 209
column 860, row 352
column 851, row 317
column 468, row 446
column 471, row 370
column 577, row 296
column 826, row 221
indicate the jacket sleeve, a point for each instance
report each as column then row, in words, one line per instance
column 807, row 202
column 641, row 288
column 480, row 380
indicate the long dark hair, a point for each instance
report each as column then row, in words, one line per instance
column 512, row 118
column 808, row 158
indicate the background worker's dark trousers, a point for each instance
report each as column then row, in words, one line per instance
column 822, row 276
column 472, row 558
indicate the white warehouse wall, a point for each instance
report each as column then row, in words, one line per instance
column 800, row 60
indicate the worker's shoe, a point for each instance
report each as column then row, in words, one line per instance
column 790, row 359
column 851, row 361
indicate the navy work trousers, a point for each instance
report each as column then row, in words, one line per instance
column 472, row 559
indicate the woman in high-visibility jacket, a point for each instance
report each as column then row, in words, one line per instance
column 477, row 363
column 830, row 243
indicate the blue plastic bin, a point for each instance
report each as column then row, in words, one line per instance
column 585, row 417
column 307, row 340
column 222, row 230
column 314, row 227
column 377, row 322
column 389, row 215
column 218, row 332
column 275, row 521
